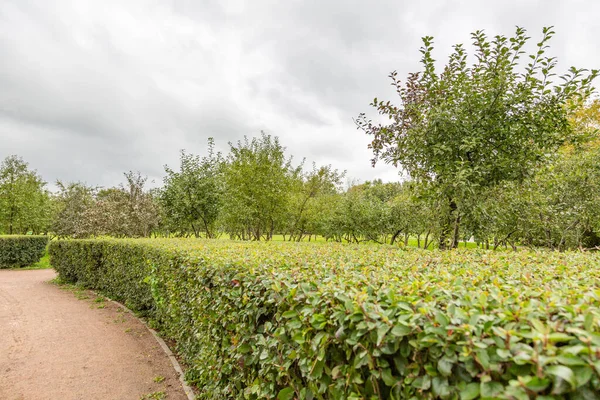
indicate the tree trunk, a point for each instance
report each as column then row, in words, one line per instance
column 447, row 227
column 426, row 244
column 455, row 234
column 208, row 234
column 196, row 233
column 272, row 230
column 395, row 236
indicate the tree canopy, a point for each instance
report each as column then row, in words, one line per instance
column 24, row 200
column 473, row 126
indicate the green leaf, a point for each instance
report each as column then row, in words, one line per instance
column 558, row 337
column 445, row 366
column 440, row 387
column 400, row 330
column 388, row 378
column 244, row 348
column 483, row 358
column 503, row 353
column 294, row 324
column 588, row 321
column 442, row 319
column 318, row 321
column 381, row 332
column 490, row 389
column 563, row 373
column 538, row 325
column 286, row 394
column 536, row 384
column 470, row 392
column 570, row 360
column 299, row 338
column 583, row 374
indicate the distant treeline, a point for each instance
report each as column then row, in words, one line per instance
column 255, row 192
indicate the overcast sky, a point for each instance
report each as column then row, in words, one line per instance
column 90, row 89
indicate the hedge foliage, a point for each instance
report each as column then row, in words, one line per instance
column 322, row 321
column 18, row 251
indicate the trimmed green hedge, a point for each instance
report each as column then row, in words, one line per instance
column 325, row 321
column 18, row 251
column 115, row 268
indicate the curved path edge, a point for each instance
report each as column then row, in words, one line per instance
column 71, row 343
column 186, row 388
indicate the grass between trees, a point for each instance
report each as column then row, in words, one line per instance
column 44, row 263
column 332, row 321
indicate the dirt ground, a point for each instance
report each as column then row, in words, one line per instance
column 58, row 343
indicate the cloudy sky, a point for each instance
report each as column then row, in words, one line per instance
column 90, row 89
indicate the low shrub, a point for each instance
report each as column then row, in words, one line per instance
column 116, row 268
column 287, row 321
column 21, row 251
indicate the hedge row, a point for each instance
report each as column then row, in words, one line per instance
column 323, row 321
column 21, row 251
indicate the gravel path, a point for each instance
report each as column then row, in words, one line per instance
column 66, row 344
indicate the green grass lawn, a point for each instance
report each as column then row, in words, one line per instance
column 44, row 263
column 412, row 241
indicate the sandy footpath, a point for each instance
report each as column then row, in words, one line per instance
column 57, row 344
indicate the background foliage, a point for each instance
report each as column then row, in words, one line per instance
column 471, row 127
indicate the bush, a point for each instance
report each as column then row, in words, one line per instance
column 116, row 268
column 21, row 251
column 285, row 321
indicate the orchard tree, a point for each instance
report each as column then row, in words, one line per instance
column 125, row 211
column 567, row 211
column 143, row 208
column 410, row 215
column 361, row 215
column 473, row 126
column 73, row 201
column 586, row 120
column 318, row 182
column 191, row 197
column 259, row 180
column 377, row 197
column 24, row 200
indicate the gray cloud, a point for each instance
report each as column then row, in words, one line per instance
column 91, row 89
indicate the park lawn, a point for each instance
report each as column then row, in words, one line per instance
column 44, row 263
column 412, row 241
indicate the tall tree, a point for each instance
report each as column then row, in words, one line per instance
column 191, row 197
column 73, row 202
column 475, row 126
column 24, row 200
column 258, row 179
column 125, row 211
column 318, row 182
